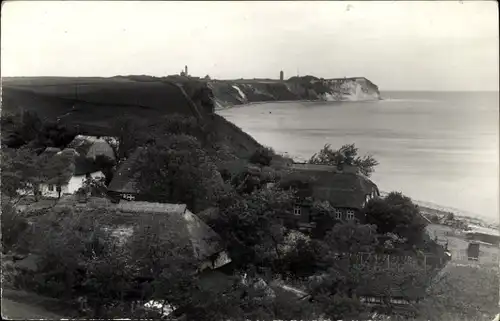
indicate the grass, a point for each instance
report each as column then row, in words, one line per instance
column 92, row 105
column 463, row 293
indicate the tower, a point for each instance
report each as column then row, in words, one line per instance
column 282, row 75
column 186, row 70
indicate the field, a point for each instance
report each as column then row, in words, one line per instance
column 92, row 105
column 86, row 100
column 464, row 290
column 457, row 245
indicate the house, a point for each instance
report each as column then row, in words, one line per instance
column 175, row 221
column 64, row 171
column 93, row 146
column 125, row 181
column 345, row 189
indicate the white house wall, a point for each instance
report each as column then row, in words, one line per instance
column 76, row 182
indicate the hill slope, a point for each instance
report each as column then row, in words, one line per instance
column 91, row 105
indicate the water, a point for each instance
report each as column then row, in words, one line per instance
column 439, row 147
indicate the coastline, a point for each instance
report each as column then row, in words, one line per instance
column 264, row 102
column 289, row 101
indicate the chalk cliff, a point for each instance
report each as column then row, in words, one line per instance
column 228, row 93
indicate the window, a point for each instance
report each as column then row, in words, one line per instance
column 51, row 187
column 338, row 214
column 297, row 210
column 128, row 197
column 350, row 215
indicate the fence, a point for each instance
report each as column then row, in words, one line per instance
column 427, row 261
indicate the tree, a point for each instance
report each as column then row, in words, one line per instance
column 128, row 137
column 29, row 129
column 396, row 214
column 262, row 156
column 347, row 154
column 93, row 187
column 13, row 226
column 107, row 165
column 179, row 171
column 324, row 216
column 252, row 226
column 434, row 219
column 352, row 238
column 53, row 134
column 26, row 128
column 22, row 173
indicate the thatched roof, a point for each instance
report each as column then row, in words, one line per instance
column 174, row 220
column 124, row 180
column 91, row 146
column 341, row 189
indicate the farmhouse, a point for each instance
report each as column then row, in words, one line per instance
column 66, row 170
column 125, row 180
column 345, row 189
column 93, row 146
column 174, row 222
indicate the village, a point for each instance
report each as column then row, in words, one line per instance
column 88, row 177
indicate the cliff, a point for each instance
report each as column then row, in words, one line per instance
column 228, row 93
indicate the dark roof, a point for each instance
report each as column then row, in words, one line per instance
column 89, row 146
column 124, row 179
column 84, row 165
column 173, row 219
column 51, row 155
column 348, row 190
column 80, row 165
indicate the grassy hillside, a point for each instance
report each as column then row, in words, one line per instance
column 92, row 105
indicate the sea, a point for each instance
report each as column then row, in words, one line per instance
column 439, row 148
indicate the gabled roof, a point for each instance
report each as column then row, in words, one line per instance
column 174, row 220
column 50, row 156
column 341, row 189
column 124, row 180
column 91, row 146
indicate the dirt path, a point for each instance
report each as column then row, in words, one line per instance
column 12, row 310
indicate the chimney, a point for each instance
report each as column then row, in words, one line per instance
column 350, row 169
column 282, row 75
column 186, row 70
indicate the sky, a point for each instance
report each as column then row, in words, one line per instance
column 431, row 45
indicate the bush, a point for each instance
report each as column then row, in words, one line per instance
column 262, row 156
column 13, row 227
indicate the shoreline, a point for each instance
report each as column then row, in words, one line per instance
column 264, row 102
column 291, row 101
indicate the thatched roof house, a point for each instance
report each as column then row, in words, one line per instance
column 175, row 221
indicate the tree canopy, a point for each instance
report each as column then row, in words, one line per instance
column 178, row 170
column 396, row 214
column 348, row 155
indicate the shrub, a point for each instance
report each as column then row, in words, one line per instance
column 262, row 156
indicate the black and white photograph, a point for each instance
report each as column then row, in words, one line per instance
column 250, row 160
